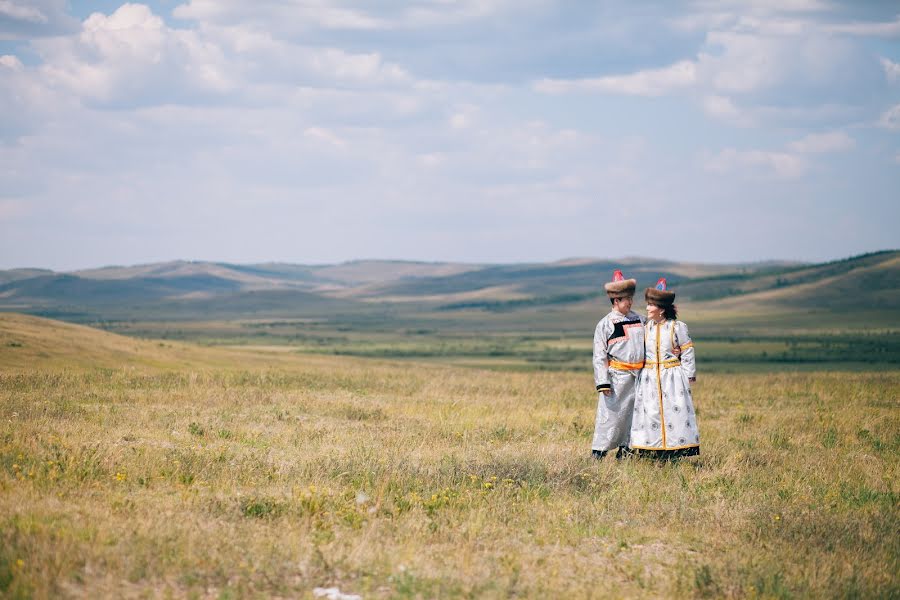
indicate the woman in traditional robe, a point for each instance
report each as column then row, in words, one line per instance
column 664, row 422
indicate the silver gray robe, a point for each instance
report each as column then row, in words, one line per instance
column 664, row 417
column 618, row 358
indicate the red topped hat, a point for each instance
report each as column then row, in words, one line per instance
column 660, row 295
column 620, row 287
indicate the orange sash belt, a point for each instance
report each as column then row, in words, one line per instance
column 667, row 364
column 624, row 366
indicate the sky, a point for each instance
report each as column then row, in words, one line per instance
column 319, row 131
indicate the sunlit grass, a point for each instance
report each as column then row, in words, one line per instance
column 411, row 480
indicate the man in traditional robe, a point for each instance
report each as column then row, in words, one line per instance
column 618, row 359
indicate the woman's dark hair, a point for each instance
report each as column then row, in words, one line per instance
column 669, row 312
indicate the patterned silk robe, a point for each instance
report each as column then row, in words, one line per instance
column 664, row 417
column 618, row 358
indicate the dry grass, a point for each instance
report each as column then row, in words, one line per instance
column 392, row 480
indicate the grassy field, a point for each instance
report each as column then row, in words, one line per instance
column 131, row 468
column 560, row 341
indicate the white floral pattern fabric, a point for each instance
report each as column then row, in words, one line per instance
column 664, row 416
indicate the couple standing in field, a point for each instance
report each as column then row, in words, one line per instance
column 643, row 368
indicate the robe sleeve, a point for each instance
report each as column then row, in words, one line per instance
column 601, row 356
column 687, row 349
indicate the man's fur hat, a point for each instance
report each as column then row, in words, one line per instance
column 659, row 295
column 620, row 287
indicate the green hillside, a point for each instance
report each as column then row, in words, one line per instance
column 872, row 273
column 17, row 274
column 503, row 316
column 196, row 289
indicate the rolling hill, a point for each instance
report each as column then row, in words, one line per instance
column 27, row 342
column 500, row 316
column 392, row 290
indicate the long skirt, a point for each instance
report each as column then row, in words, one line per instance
column 664, row 417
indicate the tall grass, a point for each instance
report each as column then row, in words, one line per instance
column 400, row 480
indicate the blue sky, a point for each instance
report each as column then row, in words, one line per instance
column 473, row 130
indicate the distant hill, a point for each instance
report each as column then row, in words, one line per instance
column 564, row 278
column 182, row 297
column 271, row 275
column 868, row 283
column 879, row 269
column 16, row 274
column 49, row 289
column 27, row 341
column 183, row 290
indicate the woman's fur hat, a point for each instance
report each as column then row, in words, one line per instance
column 620, row 287
column 659, row 295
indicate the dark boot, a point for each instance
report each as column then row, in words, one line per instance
column 623, row 452
column 598, row 454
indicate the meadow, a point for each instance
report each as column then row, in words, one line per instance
column 538, row 340
column 136, row 468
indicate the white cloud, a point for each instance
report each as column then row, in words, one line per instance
column 742, row 63
column 783, row 165
column 21, row 13
column 721, row 107
column 791, row 163
column 12, row 209
column 820, row 143
column 744, row 76
column 432, row 160
column 323, row 134
column 444, row 13
column 305, row 15
column 356, row 67
column 777, row 66
column 302, row 15
column 806, row 115
column 649, row 82
column 25, row 19
column 891, row 70
column 890, row 119
column 781, row 17
column 132, row 57
column 762, row 6
column 258, row 56
column 878, row 29
column 464, row 116
column 11, row 62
